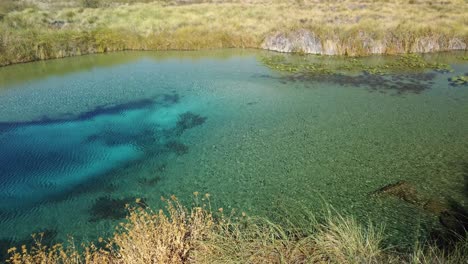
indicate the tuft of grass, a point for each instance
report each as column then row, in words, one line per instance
column 343, row 240
column 431, row 254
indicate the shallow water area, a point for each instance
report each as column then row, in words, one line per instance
column 81, row 137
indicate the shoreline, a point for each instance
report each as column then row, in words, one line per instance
column 285, row 47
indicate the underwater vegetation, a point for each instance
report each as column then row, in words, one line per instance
column 399, row 83
column 109, row 208
column 188, row 120
column 150, row 181
column 177, row 147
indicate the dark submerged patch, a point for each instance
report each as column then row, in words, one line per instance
column 177, row 147
column 150, row 181
column 400, row 83
column 142, row 139
column 107, row 208
column 188, row 120
column 165, row 100
column 171, row 99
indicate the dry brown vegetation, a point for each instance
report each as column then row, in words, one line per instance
column 54, row 29
column 198, row 235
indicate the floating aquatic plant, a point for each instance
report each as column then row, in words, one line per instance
column 280, row 63
column 374, row 71
column 460, row 80
column 412, row 61
column 409, row 62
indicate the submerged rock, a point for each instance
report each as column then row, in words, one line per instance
column 407, row 192
column 402, row 190
column 453, row 217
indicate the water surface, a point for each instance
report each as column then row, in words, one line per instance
column 81, row 137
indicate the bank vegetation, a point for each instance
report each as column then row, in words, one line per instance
column 46, row 29
column 206, row 235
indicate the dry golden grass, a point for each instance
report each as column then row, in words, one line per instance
column 156, row 238
column 164, row 25
column 179, row 235
column 257, row 18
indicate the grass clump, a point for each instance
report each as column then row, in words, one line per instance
column 342, row 240
column 199, row 235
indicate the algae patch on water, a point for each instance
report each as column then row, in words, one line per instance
column 325, row 65
column 411, row 73
column 461, row 80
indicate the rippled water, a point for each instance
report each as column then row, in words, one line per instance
column 82, row 137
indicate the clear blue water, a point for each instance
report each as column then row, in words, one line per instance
column 82, row 137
